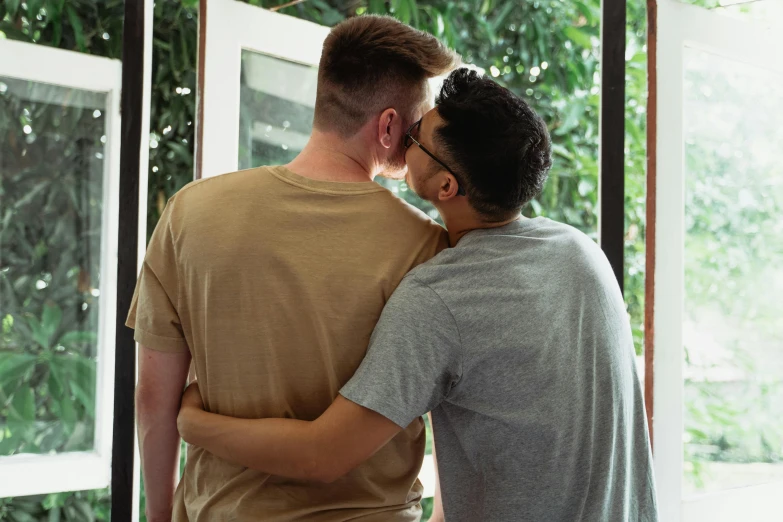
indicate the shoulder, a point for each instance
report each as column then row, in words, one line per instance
column 566, row 235
column 221, row 184
column 415, row 299
column 407, row 228
column 413, row 293
column 214, row 194
column 577, row 253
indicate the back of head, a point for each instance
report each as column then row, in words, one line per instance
column 371, row 63
column 498, row 145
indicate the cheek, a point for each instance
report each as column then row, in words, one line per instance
column 413, row 165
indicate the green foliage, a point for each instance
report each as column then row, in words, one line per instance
column 81, row 506
column 173, row 103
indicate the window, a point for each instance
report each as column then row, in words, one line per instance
column 718, row 380
column 59, row 161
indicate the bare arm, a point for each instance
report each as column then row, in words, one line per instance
column 162, row 377
column 322, row 450
column 437, row 507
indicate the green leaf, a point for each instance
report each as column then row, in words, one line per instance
column 55, row 514
column 402, row 10
column 79, row 439
column 83, row 368
column 77, row 337
column 489, row 31
column 24, row 403
column 186, row 58
column 499, row 19
column 86, row 399
column 181, row 150
column 33, row 7
column 572, row 119
column 57, row 34
column 562, row 151
column 85, row 510
column 377, row 6
column 415, row 22
column 13, row 366
column 50, row 320
column 590, row 12
column 27, row 198
column 68, row 414
column 8, row 323
column 55, row 388
column 12, row 6
column 579, row 37
column 76, row 24
column 38, row 332
column 21, row 516
column 54, row 10
column 537, row 208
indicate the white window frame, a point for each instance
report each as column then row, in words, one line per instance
column 232, row 27
column 28, row 474
column 680, row 26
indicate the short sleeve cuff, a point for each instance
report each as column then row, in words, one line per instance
column 159, row 343
column 371, row 402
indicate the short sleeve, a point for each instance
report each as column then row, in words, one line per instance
column 414, row 358
column 153, row 311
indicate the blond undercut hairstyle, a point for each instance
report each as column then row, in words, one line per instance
column 372, row 63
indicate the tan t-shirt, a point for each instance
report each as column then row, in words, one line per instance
column 274, row 282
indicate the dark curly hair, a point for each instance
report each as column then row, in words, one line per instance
column 499, row 146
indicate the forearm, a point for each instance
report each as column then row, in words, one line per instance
column 283, row 447
column 159, row 447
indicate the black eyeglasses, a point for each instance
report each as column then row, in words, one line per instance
column 410, row 139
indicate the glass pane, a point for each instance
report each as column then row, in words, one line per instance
column 52, row 149
column 733, row 333
column 277, row 100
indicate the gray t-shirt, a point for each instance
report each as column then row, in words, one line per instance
column 518, row 341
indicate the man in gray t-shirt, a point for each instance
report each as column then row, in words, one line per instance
column 518, row 342
column 516, row 339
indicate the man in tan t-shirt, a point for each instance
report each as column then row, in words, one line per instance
column 271, row 280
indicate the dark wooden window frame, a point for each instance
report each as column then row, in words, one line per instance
column 612, row 135
column 134, row 57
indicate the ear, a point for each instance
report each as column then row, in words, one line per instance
column 387, row 128
column 448, row 187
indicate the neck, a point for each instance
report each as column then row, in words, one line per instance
column 327, row 157
column 459, row 225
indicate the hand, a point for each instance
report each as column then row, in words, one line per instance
column 192, row 397
column 191, row 404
